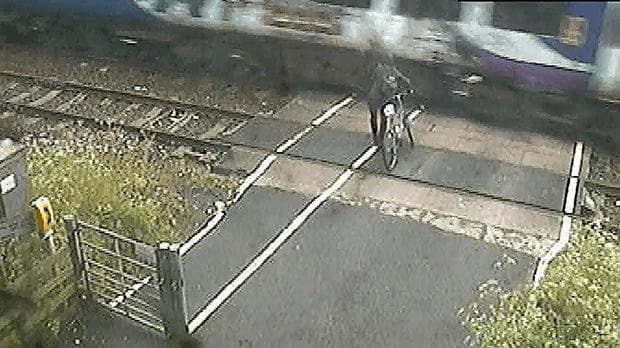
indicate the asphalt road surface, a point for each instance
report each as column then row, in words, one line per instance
column 351, row 277
column 348, row 275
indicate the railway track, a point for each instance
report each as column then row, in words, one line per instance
column 198, row 129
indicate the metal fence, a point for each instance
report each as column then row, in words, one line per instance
column 136, row 280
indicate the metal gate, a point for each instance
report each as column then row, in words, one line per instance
column 133, row 279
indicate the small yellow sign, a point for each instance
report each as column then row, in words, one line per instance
column 43, row 215
column 573, row 30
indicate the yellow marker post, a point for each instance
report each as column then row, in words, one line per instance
column 44, row 218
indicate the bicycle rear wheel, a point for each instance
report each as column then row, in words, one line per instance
column 390, row 143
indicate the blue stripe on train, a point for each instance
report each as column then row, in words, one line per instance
column 593, row 13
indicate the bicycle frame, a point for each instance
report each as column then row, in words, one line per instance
column 398, row 122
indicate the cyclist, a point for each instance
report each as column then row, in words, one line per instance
column 386, row 82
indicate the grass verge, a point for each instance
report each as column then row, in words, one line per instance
column 576, row 304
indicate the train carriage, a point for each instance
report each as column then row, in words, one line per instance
column 559, row 46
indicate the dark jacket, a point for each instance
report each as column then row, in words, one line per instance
column 386, row 81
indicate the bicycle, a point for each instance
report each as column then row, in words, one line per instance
column 392, row 123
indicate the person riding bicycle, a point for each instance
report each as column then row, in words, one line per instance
column 386, row 83
column 388, row 94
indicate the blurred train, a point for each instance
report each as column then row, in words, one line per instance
column 545, row 46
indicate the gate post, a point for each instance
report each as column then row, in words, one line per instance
column 172, row 291
column 75, row 249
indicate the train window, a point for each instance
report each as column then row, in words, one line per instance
column 348, row 3
column 572, row 31
column 541, row 18
column 441, row 9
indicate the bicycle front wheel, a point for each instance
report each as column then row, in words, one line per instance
column 390, row 143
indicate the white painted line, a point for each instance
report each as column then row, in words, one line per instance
column 571, row 196
column 293, row 140
column 617, row 203
column 365, row 157
column 565, row 231
column 577, row 156
column 134, row 288
column 210, row 226
column 129, row 41
column 231, row 287
column 258, row 172
column 316, row 122
column 329, row 113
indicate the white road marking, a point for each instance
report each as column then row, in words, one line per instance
column 315, row 123
column 578, row 155
column 231, row 287
column 565, row 231
column 365, row 157
column 251, row 179
column 571, row 195
column 210, row 226
column 569, row 208
column 573, row 181
column 260, row 170
column 294, row 139
column 329, row 113
column 271, row 158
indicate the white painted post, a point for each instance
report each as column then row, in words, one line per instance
column 606, row 76
column 213, row 10
column 248, row 15
column 480, row 13
column 384, row 6
column 383, row 23
column 172, row 291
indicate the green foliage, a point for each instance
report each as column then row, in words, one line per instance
column 123, row 193
column 576, row 304
column 39, row 285
column 143, row 200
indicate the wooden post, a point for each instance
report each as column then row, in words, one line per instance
column 75, row 249
column 3, row 272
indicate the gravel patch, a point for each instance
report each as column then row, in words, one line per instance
column 528, row 244
column 171, row 80
column 605, row 168
column 72, row 137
